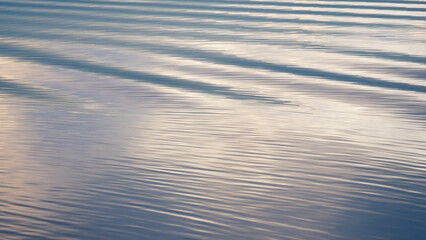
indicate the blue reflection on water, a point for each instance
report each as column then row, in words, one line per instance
column 212, row 120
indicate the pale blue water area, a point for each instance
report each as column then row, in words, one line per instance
column 212, row 120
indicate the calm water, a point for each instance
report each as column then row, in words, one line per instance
column 190, row 119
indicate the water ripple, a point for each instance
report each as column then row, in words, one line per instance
column 230, row 119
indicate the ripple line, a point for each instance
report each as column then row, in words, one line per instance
column 47, row 58
column 228, row 9
column 227, row 59
column 198, row 15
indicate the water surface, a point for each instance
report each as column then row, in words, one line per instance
column 216, row 119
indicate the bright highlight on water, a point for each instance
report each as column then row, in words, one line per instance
column 222, row 119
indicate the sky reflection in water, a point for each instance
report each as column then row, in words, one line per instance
column 212, row 120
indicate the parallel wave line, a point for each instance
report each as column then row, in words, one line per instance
column 227, row 9
column 342, row 1
column 199, row 15
column 227, row 59
column 37, row 56
column 255, row 3
column 30, row 33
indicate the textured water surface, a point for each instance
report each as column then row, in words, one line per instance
column 221, row 119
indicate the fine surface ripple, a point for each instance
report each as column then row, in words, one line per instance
column 206, row 120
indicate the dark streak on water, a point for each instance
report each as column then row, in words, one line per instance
column 217, row 119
